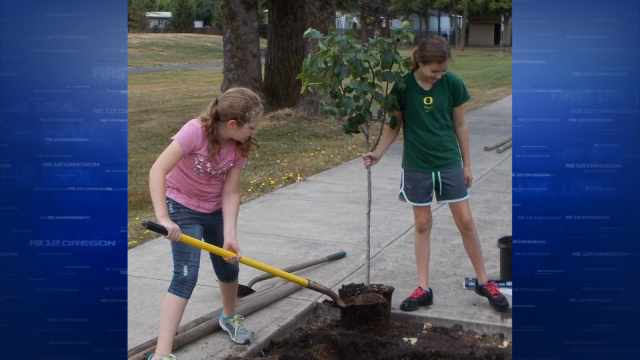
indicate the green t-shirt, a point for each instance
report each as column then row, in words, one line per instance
column 430, row 142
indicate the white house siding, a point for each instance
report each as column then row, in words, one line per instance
column 445, row 28
column 345, row 22
column 506, row 34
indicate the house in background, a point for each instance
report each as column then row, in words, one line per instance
column 439, row 23
column 346, row 22
column 489, row 31
column 158, row 20
column 483, row 31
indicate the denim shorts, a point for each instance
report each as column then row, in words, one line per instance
column 417, row 187
column 186, row 259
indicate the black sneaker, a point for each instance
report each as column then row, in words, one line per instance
column 419, row 297
column 496, row 299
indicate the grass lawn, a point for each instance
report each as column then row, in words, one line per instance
column 486, row 72
column 149, row 49
column 292, row 147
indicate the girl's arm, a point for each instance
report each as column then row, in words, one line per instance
column 230, row 208
column 389, row 135
column 159, row 170
column 462, row 132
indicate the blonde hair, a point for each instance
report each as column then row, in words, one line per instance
column 433, row 49
column 239, row 104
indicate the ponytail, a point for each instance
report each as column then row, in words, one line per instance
column 239, row 104
column 210, row 122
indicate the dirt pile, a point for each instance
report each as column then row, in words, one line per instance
column 322, row 337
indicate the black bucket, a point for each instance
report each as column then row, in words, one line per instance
column 504, row 244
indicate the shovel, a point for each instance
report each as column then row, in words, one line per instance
column 497, row 145
column 304, row 282
column 245, row 290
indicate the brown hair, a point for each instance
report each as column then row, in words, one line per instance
column 432, row 49
column 240, row 104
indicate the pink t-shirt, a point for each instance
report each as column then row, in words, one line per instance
column 197, row 180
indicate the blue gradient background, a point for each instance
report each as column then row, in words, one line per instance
column 576, row 107
column 63, row 179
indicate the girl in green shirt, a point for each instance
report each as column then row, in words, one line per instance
column 436, row 161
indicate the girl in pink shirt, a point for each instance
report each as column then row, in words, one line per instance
column 195, row 189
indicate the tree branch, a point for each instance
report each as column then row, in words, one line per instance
column 365, row 131
column 384, row 116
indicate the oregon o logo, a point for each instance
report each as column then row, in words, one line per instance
column 428, row 100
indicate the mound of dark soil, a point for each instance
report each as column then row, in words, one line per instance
column 322, row 337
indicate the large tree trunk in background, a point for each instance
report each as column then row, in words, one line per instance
column 285, row 53
column 507, row 31
column 320, row 15
column 241, row 45
column 368, row 20
column 465, row 24
column 427, row 23
column 385, row 24
column 453, row 29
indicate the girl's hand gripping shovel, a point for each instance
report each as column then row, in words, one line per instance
column 309, row 284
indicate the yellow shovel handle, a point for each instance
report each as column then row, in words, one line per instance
column 245, row 260
column 226, row 254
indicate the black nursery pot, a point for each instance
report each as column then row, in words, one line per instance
column 504, row 244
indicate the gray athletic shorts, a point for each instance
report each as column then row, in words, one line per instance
column 417, row 187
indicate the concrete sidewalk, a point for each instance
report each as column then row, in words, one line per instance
column 325, row 214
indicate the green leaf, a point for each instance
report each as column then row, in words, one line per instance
column 387, row 60
column 358, row 119
column 348, row 75
column 342, row 71
column 347, row 103
column 312, row 33
column 350, row 128
column 390, row 103
column 388, row 76
column 330, row 110
column 394, row 122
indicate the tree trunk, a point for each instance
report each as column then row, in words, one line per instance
column 427, row 23
column 465, row 24
column 368, row 20
column 285, row 53
column 241, row 45
column 453, row 30
column 387, row 25
column 320, row 15
column 363, row 21
column 424, row 30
